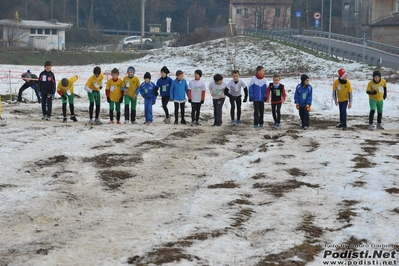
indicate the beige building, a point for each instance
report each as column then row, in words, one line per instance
column 261, row 14
column 33, row 34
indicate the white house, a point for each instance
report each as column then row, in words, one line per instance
column 36, row 34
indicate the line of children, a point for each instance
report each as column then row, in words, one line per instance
column 65, row 89
column 114, row 94
column 47, row 90
column 234, row 91
column 342, row 95
column 303, row 100
column 178, row 92
column 131, row 84
column 163, row 85
column 196, row 96
column 257, row 95
column 149, row 92
column 278, row 96
column 93, row 86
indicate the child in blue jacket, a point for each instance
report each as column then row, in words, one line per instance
column 148, row 91
column 163, row 85
column 257, row 94
column 178, row 92
column 303, row 100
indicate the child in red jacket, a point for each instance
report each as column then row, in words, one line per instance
column 275, row 94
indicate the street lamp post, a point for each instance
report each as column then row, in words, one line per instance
column 329, row 32
column 142, row 22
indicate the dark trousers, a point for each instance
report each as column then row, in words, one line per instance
column 47, row 104
column 195, row 111
column 24, row 87
column 165, row 100
column 181, row 105
column 304, row 114
column 371, row 117
column 217, row 111
column 342, row 112
column 233, row 102
column 259, row 109
column 276, row 112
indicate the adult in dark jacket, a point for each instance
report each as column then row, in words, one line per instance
column 31, row 80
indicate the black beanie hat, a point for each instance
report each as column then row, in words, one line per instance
column 376, row 73
column 303, row 78
column 97, row 70
column 199, row 72
column 147, row 75
column 165, row 70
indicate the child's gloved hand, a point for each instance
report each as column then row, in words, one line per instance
column 63, row 97
column 250, row 99
column 189, row 100
column 121, row 100
column 153, row 102
column 108, row 100
column 297, row 106
column 245, row 100
column 202, row 101
column 308, row 108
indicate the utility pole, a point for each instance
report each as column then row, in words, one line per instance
column 329, row 32
column 142, row 22
column 322, row 14
column 77, row 13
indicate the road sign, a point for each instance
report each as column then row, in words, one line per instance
column 298, row 14
column 317, row 15
column 317, row 23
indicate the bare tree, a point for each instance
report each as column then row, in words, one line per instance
column 12, row 34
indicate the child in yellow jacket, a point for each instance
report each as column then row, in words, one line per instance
column 131, row 84
column 377, row 91
column 65, row 89
column 114, row 95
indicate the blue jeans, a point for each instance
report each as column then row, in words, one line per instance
column 304, row 114
column 342, row 112
column 148, row 109
column 217, row 111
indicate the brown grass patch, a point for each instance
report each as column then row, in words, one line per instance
column 306, row 251
column 396, row 210
column 114, row 179
column 52, row 160
column 352, row 242
column 240, row 202
column 296, row 172
column 227, row 184
column 241, row 217
column 314, row 145
column 156, row 144
column 279, row 189
column 258, row 176
column 358, row 183
column 362, row 162
column 107, row 160
column 347, row 212
column 162, row 255
column 392, row 190
column 189, row 132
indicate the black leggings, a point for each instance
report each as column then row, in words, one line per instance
column 276, row 112
column 233, row 102
column 165, row 100
column 195, row 111
column 181, row 105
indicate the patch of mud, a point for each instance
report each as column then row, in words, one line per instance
column 258, row 176
column 392, row 190
column 162, row 255
column 362, row 162
column 296, row 172
column 185, row 133
column 156, row 144
column 347, row 212
column 241, row 217
column 314, row 145
column 358, row 183
column 52, row 160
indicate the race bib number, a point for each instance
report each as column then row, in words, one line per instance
column 277, row 92
column 237, row 88
column 381, row 89
column 96, row 84
column 217, row 91
column 43, row 78
column 68, row 92
column 112, row 88
column 304, row 95
column 146, row 90
column 127, row 84
column 163, row 87
column 339, row 87
column 196, row 89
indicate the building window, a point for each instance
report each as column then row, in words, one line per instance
column 244, row 12
column 277, row 13
column 357, row 5
column 39, row 31
column 32, row 31
column 54, row 32
column 47, row 31
column 238, row 10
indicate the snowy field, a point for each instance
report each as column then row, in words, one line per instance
column 76, row 194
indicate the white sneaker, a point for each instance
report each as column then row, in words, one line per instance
column 371, row 127
column 380, row 127
column 98, row 122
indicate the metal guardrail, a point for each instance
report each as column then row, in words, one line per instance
column 291, row 36
column 377, row 45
